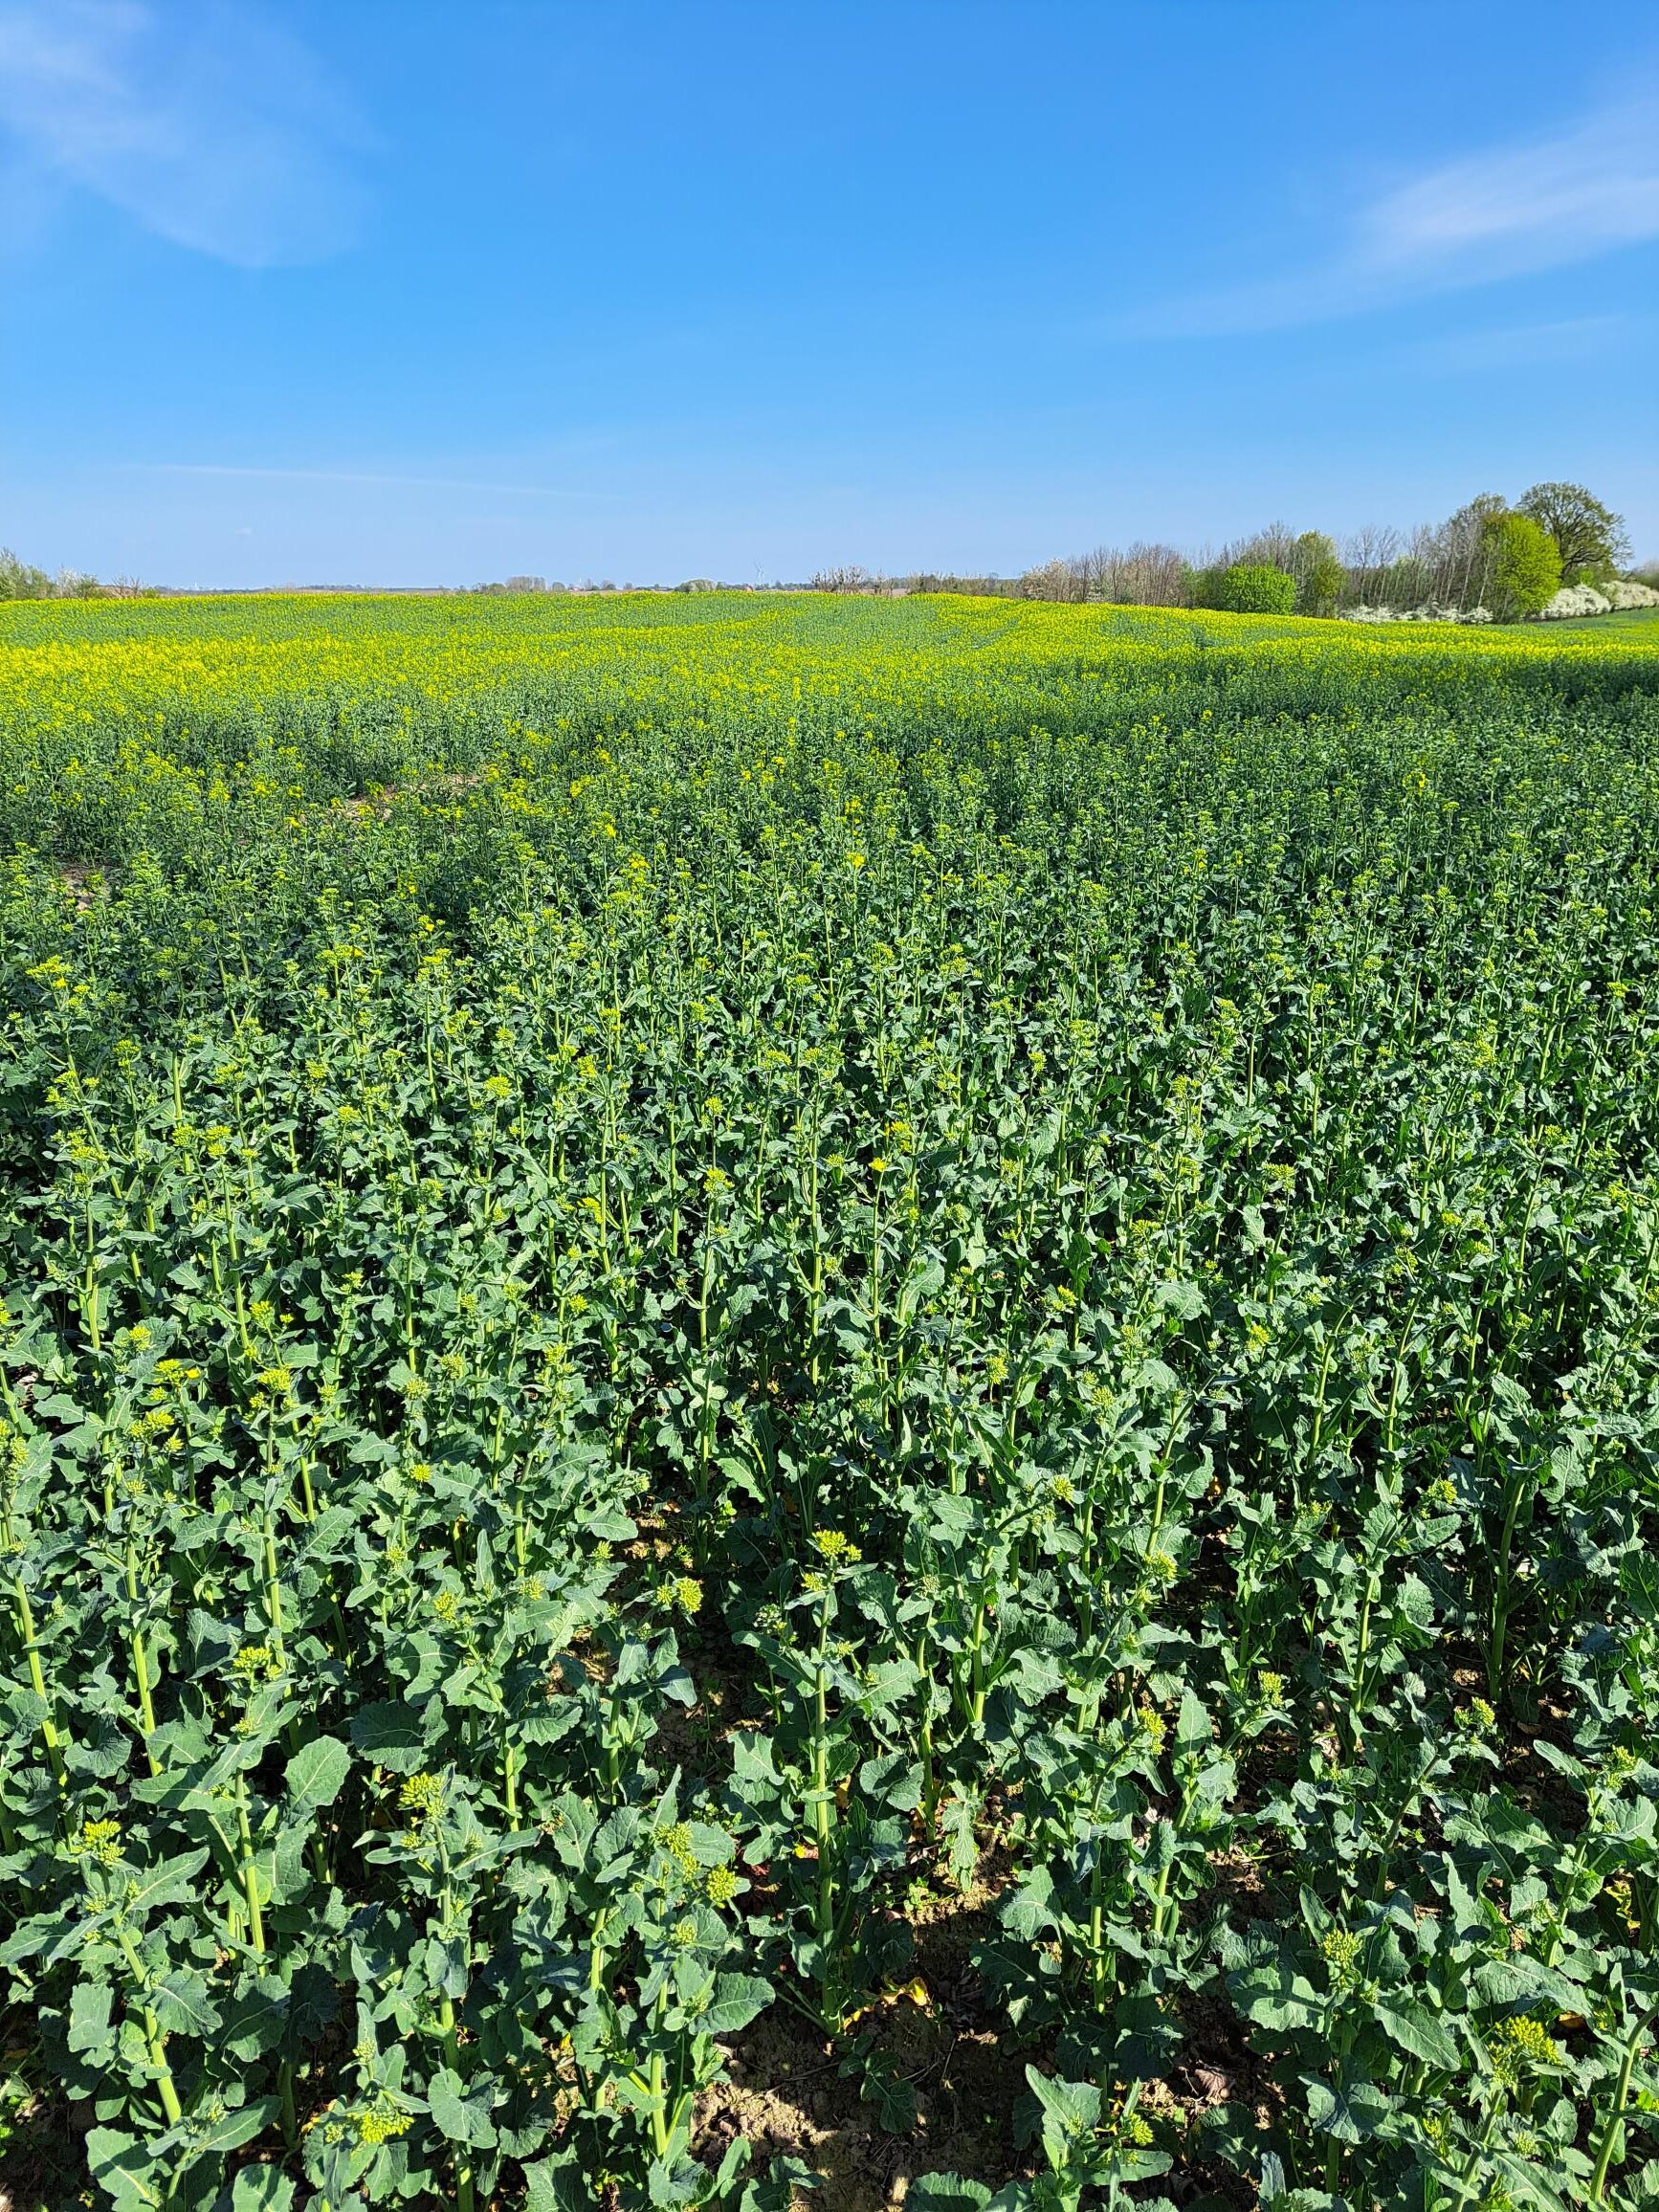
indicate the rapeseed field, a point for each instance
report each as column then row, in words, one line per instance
column 821, row 1399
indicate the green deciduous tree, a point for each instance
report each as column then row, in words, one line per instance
column 1319, row 573
column 1588, row 537
column 1257, row 588
column 19, row 581
column 1525, row 568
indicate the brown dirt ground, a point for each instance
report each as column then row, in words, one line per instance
column 786, row 2093
column 86, row 880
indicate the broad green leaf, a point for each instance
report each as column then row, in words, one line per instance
column 1351, row 2112
column 1417, row 2030
column 463, row 2116
column 316, row 1772
column 737, row 1998
column 123, row 2167
column 947, row 2193
column 89, row 2015
column 261, row 2189
column 391, row 1734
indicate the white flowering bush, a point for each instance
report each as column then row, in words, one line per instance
column 1572, row 601
column 1427, row 612
column 1577, row 600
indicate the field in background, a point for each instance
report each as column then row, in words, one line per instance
column 1642, row 621
column 801, row 1385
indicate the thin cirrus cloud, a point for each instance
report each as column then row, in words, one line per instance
column 1575, row 338
column 1509, row 211
column 203, row 120
column 359, row 476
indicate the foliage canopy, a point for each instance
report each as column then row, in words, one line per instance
column 1255, row 587
column 1524, row 569
column 1590, row 538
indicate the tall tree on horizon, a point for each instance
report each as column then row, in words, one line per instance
column 1590, row 538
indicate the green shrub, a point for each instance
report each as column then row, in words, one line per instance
column 1257, row 588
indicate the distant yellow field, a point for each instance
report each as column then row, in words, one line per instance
column 308, row 698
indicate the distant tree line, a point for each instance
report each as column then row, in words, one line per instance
column 19, row 581
column 1507, row 561
column 1489, row 560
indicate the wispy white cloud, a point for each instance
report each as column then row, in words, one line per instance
column 204, row 119
column 1511, row 211
column 359, row 476
column 1529, row 207
column 1575, row 338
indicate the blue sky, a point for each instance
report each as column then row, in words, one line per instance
column 404, row 292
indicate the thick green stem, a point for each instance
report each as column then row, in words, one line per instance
column 155, row 2043
column 249, row 1870
column 976, row 1706
column 1500, row 1594
column 140, row 1664
column 1621, row 2090
column 273, row 1591
column 820, row 1793
column 48, row 1734
column 658, row 2103
column 464, row 2194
